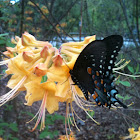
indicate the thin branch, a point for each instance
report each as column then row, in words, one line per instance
column 127, row 23
column 22, row 17
column 65, row 14
column 47, row 19
column 137, row 19
column 57, row 23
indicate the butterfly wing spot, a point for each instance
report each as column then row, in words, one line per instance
column 94, row 97
column 95, row 82
column 93, row 77
column 114, row 51
column 93, row 65
column 97, row 100
column 101, row 60
column 89, row 70
column 112, row 56
column 107, row 73
column 117, row 46
column 106, row 104
column 111, row 62
column 96, row 94
column 101, row 66
column 113, row 92
column 99, row 103
column 104, row 90
column 109, row 67
column 100, row 71
column 97, row 73
column 102, row 81
column 91, row 55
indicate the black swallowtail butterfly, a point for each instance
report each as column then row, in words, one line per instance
column 92, row 71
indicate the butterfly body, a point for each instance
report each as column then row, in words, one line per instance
column 92, row 71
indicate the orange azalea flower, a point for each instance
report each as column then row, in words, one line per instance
column 29, row 40
column 134, row 135
column 69, row 137
column 42, row 91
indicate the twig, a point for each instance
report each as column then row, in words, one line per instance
column 47, row 19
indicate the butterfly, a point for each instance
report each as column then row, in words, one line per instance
column 93, row 73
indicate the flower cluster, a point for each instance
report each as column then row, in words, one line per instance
column 43, row 72
column 134, row 135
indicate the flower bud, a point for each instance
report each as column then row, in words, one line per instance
column 45, row 52
column 17, row 38
column 11, row 50
column 57, row 59
column 8, row 54
column 28, row 56
column 27, row 39
column 13, row 41
column 40, row 69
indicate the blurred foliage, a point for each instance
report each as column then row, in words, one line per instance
column 102, row 17
column 49, row 122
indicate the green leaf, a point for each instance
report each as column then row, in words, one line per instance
column 131, row 69
column 3, row 124
column 125, row 83
column 13, row 126
column 2, row 132
column 59, row 117
column 44, row 78
column 137, row 68
column 5, row 34
column 2, row 42
column 119, row 96
column 127, row 97
column 43, row 135
column 13, row 138
column 30, row 114
column 9, row 44
column 91, row 113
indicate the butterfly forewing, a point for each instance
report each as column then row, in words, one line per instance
column 88, row 59
column 113, row 46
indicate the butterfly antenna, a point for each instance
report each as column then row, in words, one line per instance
column 65, row 80
column 69, row 69
column 66, row 64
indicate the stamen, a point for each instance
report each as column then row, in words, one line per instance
column 71, row 49
column 126, row 74
column 78, row 101
column 4, row 62
column 12, row 93
column 122, row 66
column 66, row 52
column 119, row 62
column 68, row 116
column 41, row 115
column 66, row 121
column 72, row 109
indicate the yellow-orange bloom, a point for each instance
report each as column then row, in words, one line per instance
column 29, row 40
column 134, row 135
